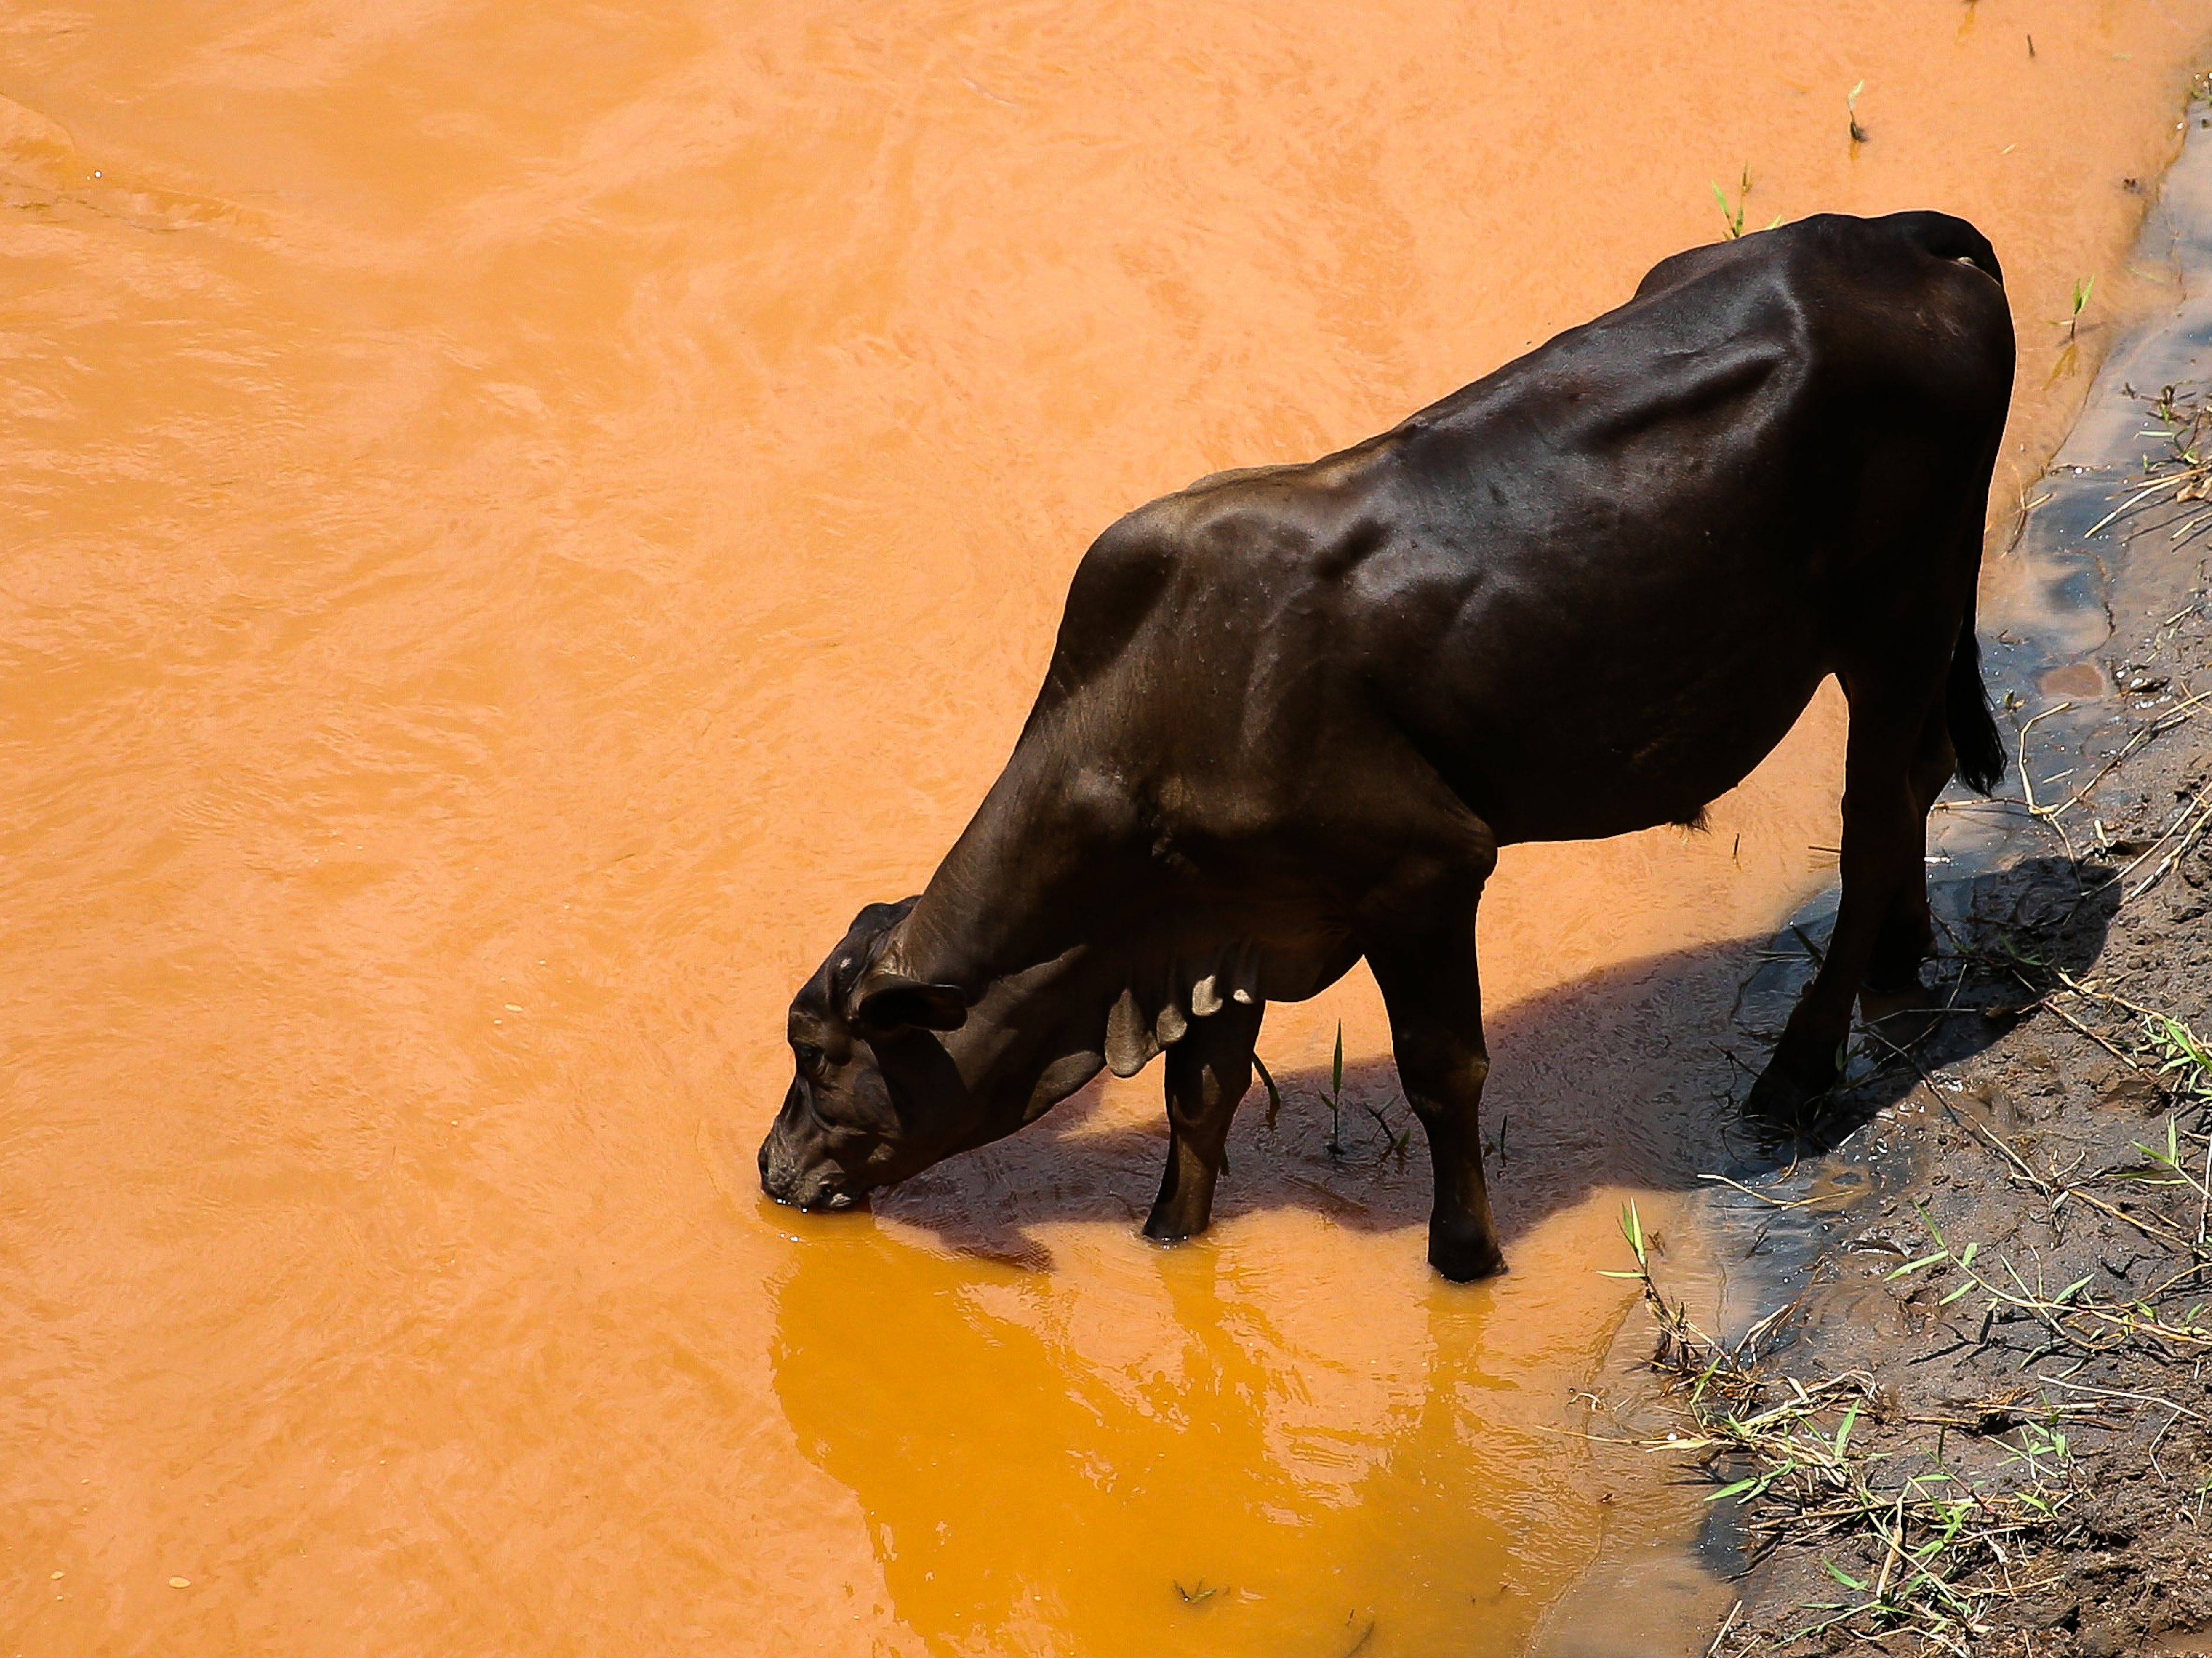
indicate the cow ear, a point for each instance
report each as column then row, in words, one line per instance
column 892, row 1004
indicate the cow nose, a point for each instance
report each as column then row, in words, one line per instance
column 779, row 1169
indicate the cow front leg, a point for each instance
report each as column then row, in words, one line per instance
column 1430, row 986
column 1885, row 840
column 1208, row 1071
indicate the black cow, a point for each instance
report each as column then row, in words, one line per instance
column 1293, row 712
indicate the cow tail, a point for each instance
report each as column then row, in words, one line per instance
column 1948, row 237
column 1974, row 740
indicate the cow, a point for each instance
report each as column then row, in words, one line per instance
column 1293, row 712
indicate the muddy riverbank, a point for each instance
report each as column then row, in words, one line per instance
column 2016, row 1315
column 1983, row 1422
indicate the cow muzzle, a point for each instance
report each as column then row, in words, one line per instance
column 790, row 1176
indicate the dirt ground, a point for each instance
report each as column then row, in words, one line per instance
column 1986, row 1427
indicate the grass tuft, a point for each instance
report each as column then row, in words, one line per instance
column 1928, row 1533
column 1394, row 1140
column 1935, row 1540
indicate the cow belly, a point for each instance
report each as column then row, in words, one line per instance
column 1591, row 767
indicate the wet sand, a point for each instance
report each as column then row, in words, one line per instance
column 519, row 524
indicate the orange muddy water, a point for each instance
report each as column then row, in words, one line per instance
column 518, row 520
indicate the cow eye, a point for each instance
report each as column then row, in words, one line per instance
column 809, row 1057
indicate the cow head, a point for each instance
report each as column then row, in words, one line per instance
column 876, row 1097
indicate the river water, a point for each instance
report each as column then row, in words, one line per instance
column 518, row 521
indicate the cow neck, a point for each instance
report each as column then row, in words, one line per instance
column 983, row 916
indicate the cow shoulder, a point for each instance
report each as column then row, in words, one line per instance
column 1122, row 578
column 1211, row 547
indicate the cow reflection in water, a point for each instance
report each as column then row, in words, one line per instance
column 1292, row 713
column 1039, row 1457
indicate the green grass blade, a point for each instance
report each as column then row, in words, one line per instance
column 1912, row 1267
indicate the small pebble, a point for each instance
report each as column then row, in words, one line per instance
column 180, row 1582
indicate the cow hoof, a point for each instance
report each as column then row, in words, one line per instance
column 1464, row 1260
column 1166, row 1230
column 1787, row 1097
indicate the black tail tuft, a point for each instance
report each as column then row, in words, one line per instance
column 1948, row 237
column 1974, row 738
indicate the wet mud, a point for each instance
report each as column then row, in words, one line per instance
column 2010, row 1191
column 519, row 525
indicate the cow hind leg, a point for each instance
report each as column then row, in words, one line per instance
column 1430, row 986
column 1908, row 935
column 1958, row 737
column 1883, row 913
column 1208, row 1071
